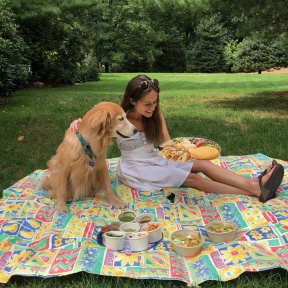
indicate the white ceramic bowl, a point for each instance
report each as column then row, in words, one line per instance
column 144, row 218
column 221, row 231
column 114, row 240
column 127, row 217
column 128, row 228
column 186, row 234
column 138, row 241
column 155, row 233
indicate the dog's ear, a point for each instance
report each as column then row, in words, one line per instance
column 105, row 123
column 96, row 121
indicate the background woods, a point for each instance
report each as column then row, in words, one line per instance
column 66, row 42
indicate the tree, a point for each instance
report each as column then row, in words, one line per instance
column 14, row 66
column 207, row 53
column 127, row 41
column 172, row 58
column 58, row 41
column 267, row 19
column 256, row 56
column 56, row 49
column 230, row 53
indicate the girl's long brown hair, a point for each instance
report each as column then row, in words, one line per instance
column 136, row 89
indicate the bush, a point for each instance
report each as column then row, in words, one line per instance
column 89, row 69
column 14, row 67
column 207, row 53
column 57, row 54
column 257, row 56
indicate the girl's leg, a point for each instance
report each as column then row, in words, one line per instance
column 222, row 180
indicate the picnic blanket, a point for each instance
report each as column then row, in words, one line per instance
column 35, row 240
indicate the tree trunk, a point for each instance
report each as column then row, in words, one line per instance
column 106, row 64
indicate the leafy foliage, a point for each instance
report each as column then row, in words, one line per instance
column 207, row 53
column 69, row 41
column 56, row 47
column 14, row 66
column 89, row 70
column 230, row 53
column 256, row 56
column 172, row 58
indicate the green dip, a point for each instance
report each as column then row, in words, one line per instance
column 113, row 235
column 129, row 230
column 127, row 219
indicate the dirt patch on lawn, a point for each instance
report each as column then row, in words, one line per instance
column 281, row 94
column 3, row 100
column 274, row 71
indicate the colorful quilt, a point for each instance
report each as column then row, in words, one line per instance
column 35, row 240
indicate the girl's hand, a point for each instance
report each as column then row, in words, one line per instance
column 74, row 125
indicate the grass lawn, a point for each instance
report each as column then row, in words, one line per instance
column 244, row 113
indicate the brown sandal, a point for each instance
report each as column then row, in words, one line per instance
column 268, row 190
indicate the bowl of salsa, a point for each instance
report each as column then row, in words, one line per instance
column 154, row 230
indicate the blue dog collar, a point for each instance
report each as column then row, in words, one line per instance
column 86, row 148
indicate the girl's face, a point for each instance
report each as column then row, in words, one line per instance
column 147, row 104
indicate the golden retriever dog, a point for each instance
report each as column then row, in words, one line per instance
column 79, row 166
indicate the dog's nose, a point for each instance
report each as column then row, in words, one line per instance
column 135, row 131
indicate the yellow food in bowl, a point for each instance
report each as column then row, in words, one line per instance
column 187, row 240
column 221, row 228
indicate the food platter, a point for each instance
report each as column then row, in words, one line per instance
column 186, row 149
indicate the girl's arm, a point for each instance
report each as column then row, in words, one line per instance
column 165, row 132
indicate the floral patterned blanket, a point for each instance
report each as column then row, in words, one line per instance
column 35, row 240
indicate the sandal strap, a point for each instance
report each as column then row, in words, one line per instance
column 263, row 190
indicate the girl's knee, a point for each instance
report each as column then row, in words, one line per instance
column 201, row 166
column 193, row 180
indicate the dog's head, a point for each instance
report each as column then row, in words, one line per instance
column 107, row 119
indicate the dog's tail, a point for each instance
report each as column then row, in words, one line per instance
column 45, row 183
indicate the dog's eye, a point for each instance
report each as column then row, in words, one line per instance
column 121, row 119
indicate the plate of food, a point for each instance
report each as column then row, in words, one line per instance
column 186, row 149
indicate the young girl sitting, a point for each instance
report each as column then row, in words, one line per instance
column 140, row 166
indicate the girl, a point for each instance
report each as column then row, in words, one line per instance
column 140, row 166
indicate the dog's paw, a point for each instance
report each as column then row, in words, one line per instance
column 62, row 208
column 117, row 203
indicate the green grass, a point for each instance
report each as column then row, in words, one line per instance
column 242, row 112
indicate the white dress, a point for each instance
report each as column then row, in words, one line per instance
column 140, row 167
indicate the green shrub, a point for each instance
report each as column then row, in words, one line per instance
column 14, row 67
column 89, row 70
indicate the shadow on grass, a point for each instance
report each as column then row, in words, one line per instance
column 247, row 136
column 268, row 101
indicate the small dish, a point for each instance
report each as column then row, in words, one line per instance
column 144, row 218
column 154, row 230
column 187, row 242
column 114, row 240
column 128, row 228
column 127, row 217
column 221, row 231
column 114, row 226
column 138, row 241
column 126, row 248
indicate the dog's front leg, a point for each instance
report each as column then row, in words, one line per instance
column 105, row 183
column 60, row 189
